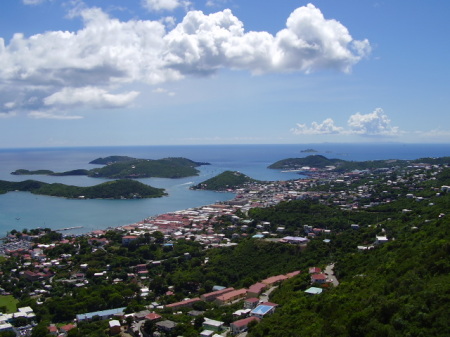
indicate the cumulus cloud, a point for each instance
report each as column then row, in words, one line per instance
column 376, row 123
column 372, row 124
column 67, row 68
column 90, row 96
column 325, row 128
column 164, row 5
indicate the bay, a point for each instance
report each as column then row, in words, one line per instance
column 19, row 210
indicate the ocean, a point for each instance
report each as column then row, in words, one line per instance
column 20, row 210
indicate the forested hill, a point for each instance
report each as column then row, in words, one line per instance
column 120, row 167
column 398, row 288
column 322, row 162
column 118, row 189
column 225, row 180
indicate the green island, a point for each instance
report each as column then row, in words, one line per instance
column 339, row 165
column 224, row 181
column 123, row 167
column 118, row 189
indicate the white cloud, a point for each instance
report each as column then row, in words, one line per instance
column 57, row 67
column 372, row 124
column 164, row 5
column 90, row 96
column 33, row 2
column 163, row 91
column 376, row 123
column 50, row 115
column 324, row 128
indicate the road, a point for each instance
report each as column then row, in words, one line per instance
column 330, row 274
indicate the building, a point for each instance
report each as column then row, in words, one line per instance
column 251, row 303
column 183, row 304
column 231, row 296
column 209, row 297
column 256, row 289
column 114, row 327
column 213, row 325
column 105, row 314
column 318, row 278
column 242, row 325
column 313, row 291
column 262, row 310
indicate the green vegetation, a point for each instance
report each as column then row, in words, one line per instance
column 119, row 189
column 145, row 168
column 321, row 162
column 111, row 160
column 224, row 181
column 8, row 304
column 122, row 167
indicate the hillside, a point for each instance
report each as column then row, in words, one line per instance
column 321, row 162
column 225, row 180
column 119, row 189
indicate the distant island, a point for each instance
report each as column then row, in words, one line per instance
column 224, row 181
column 123, row 167
column 309, row 151
column 321, row 162
column 118, row 189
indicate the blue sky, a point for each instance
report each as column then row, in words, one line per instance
column 157, row 72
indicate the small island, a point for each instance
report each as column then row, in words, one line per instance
column 225, row 181
column 118, row 189
column 309, row 151
column 123, row 167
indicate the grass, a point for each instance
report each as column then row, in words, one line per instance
column 9, row 302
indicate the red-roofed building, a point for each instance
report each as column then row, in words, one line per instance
column 209, row 297
column 67, row 328
column 274, row 280
column 153, row 317
column 183, row 304
column 318, row 278
column 315, row 270
column 231, row 296
column 256, row 289
column 241, row 325
column 127, row 239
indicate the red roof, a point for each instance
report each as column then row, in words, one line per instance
column 244, row 322
column 153, row 316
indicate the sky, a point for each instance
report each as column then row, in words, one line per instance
column 179, row 72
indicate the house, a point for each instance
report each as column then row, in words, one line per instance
column 274, row 280
column 166, row 326
column 66, row 328
column 127, row 239
column 318, row 278
column 183, row 304
column 251, row 303
column 262, row 310
column 105, row 314
column 231, row 296
column 213, row 325
column 256, row 289
column 242, row 325
column 114, row 327
column 153, row 317
column 313, row 291
column 314, row 270
column 209, row 297
column 381, row 239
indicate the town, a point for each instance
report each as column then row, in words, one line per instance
column 162, row 276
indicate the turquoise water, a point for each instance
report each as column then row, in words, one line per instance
column 19, row 210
